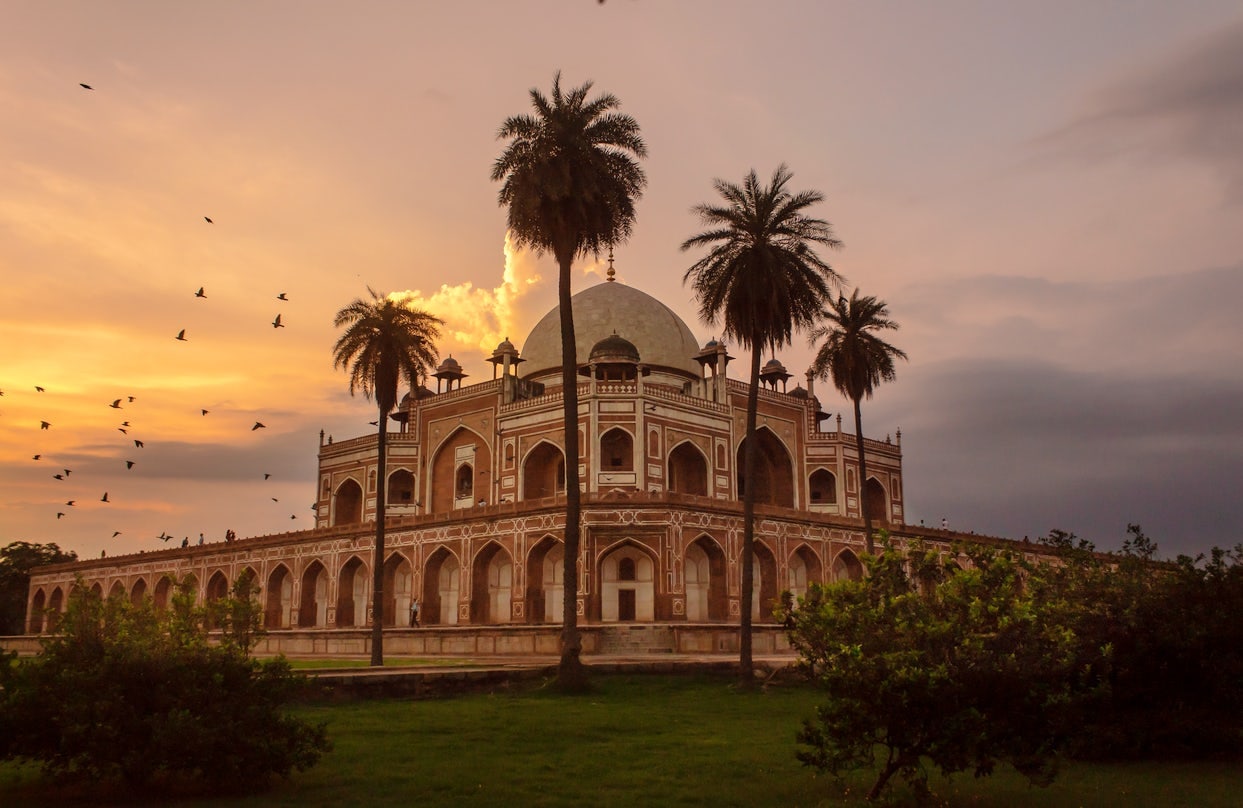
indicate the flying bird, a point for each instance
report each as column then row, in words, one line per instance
column 208, row 220
column 266, row 475
column 116, row 533
column 138, row 443
column 131, row 399
column 258, row 425
column 125, row 423
column 68, row 472
column 204, row 412
column 116, row 405
column 274, row 499
column 293, row 516
column 200, row 293
column 85, row 86
column 277, row 322
column 59, row 514
column 36, row 457
column 59, row 476
column 104, row 498
column 122, row 430
column 181, row 335
column 129, row 464
column 70, row 502
column 44, row 425
column 38, row 389
column 281, row 296
column 163, row 536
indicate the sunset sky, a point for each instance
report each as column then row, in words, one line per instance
column 1049, row 195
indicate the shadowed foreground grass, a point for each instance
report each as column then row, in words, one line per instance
column 637, row 740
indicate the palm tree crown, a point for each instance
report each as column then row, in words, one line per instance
column 569, row 174
column 384, row 342
column 857, row 361
column 762, row 275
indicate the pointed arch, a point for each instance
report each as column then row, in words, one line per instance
column 313, row 604
column 688, row 470
column 545, row 595
column 543, row 471
column 442, row 583
column 398, row 589
column 278, row 603
column 803, row 569
column 117, row 590
column 822, row 488
column 764, row 583
column 347, row 503
column 138, row 591
column 163, row 588
column 492, row 581
column 400, row 487
column 774, row 471
column 352, row 591
column 37, row 606
column 847, row 567
column 878, row 500
column 455, row 469
column 705, row 566
column 616, row 450
column 627, row 572
column 217, row 586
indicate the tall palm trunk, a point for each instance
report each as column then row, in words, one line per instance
column 869, row 542
column 570, row 674
column 746, row 666
column 377, row 563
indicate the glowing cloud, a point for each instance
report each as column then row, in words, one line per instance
column 478, row 319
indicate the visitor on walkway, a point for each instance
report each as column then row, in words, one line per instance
column 414, row 613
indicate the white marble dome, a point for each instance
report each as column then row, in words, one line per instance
column 661, row 337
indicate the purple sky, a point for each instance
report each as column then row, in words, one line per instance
column 1048, row 195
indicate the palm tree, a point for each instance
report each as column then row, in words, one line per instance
column 763, row 278
column 384, row 341
column 570, row 178
column 857, row 361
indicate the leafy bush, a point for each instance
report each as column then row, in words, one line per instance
column 139, row 695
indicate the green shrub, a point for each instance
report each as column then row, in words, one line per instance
column 138, row 695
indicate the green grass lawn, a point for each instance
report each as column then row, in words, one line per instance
column 637, row 740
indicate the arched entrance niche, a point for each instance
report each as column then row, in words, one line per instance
column 137, row 592
column 627, row 585
column 847, row 567
column 313, row 605
column 822, row 490
column 763, row 584
column 688, row 470
column 162, row 589
column 191, row 585
column 546, row 581
column 97, row 590
column 616, row 450
column 878, row 501
column 803, row 569
column 706, row 597
column 347, row 503
column 774, row 474
column 456, row 478
column 217, row 586
column 398, row 587
column 117, row 590
column 35, row 626
column 352, row 594
column 442, row 581
column 492, row 581
column 55, row 604
column 279, row 599
column 400, row 488
column 543, row 472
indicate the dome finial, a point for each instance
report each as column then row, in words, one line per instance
column 611, row 273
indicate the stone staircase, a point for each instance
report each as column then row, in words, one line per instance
column 626, row 639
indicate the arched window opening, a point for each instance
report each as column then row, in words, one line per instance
column 313, row 606
column 822, row 487
column 688, row 471
column 138, row 592
column 36, row 613
column 878, row 501
column 616, row 451
column 627, row 586
column 625, row 569
column 543, row 472
column 464, row 483
column 348, row 504
column 400, row 488
column 846, row 567
column 774, row 473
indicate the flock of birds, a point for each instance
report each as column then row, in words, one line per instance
column 62, row 474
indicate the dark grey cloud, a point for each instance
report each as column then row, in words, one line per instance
column 1108, row 403
column 1190, row 104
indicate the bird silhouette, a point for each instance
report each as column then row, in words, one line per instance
column 131, row 399
column 59, row 476
column 44, row 425
column 258, row 425
column 85, row 86
column 181, row 335
column 116, row 405
column 274, row 499
column 200, row 293
column 293, row 516
column 129, row 464
column 59, row 514
column 208, row 220
column 277, row 322
column 71, row 502
column 104, row 498
column 204, row 412
column 116, row 533
column 125, row 423
column 374, row 423
column 68, row 472
column 122, row 430
column 281, row 296
column 138, row 443
column 163, row 536
column 38, row 389
column 36, row 457
column 265, row 476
